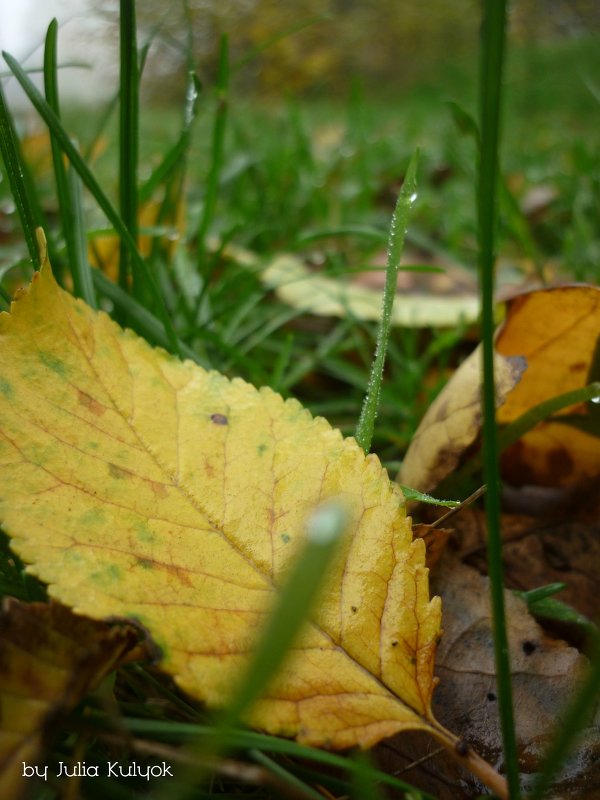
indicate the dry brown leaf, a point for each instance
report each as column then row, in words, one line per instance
column 49, row 659
column 539, row 551
column 556, row 330
column 545, row 672
column 435, row 540
column 452, row 422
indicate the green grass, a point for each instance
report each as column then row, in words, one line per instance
column 320, row 180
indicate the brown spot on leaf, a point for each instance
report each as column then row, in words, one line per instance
column 159, row 489
column 219, row 419
column 117, row 472
column 87, row 401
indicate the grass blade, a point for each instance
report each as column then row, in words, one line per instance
column 89, row 180
column 128, row 145
column 407, row 196
column 60, row 174
column 492, row 58
column 529, row 419
column 68, row 187
column 286, row 776
column 13, row 165
column 325, row 529
column 216, row 161
column 243, row 740
column 83, row 282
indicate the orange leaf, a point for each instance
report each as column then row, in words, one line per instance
column 557, row 331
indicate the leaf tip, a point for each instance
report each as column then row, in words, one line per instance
column 42, row 246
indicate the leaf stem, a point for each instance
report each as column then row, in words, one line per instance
column 471, row 761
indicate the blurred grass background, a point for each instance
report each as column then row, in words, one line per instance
column 307, row 132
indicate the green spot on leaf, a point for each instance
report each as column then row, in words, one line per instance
column 144, row 533
column 53, row 363
column 108, row 576
column 93, row 516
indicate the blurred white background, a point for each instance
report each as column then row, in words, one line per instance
column 23, row 27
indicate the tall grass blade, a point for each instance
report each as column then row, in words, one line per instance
column 217, row 149
column 60, row 173
column 68, row 189
column 529, row 419
column 94, row 187
column 325, row 529
column 492, row 58
column 296, row 598
column 407, row 196
column 128, row 145
column 13, row 165
column 83, row 282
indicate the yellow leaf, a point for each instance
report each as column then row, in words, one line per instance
column 557, row 331
column 140, row 486
column 49, row 659
column 143, row 487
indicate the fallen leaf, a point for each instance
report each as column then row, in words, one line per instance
column 452, row 422
column 538, row 551
column 557, row 331
column 316, row 294
column 49, row 659
column 435, row 540
column 545, row 672
column 139, row 486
